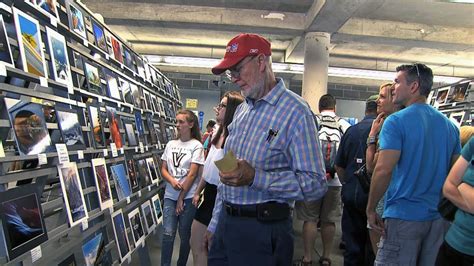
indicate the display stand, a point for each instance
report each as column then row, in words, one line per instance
column 98, row 97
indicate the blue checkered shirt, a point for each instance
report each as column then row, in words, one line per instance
column 277, row 135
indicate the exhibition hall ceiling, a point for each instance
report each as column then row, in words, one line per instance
column 366, row 34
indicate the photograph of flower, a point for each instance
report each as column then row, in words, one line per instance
column 91, row 248
column 150, row 222
column 102, row 183
column 117, row 49
column 99, row 35
column 155, row 200
column 121, row 183
column 22, row 222
column 72, row 193
column 93, row 78
column 5, row 50
column 30, row 44
column 97, row 126
column 136, row 226
column 76, row 20
column 59, row 57
column 70, row 127
column 28, row 121
column 114, row 126
column 120, row 232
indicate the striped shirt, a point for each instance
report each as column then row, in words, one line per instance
column 277, row 135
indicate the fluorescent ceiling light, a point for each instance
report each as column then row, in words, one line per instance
column 287, row 68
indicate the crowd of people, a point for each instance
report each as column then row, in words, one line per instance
column 390, row 170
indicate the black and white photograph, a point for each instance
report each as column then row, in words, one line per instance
column 136, row 95
column 152, row 169
column 125, row 90
column 130, row 132
column 71, row 129
column 72, row 193
column 113, row 90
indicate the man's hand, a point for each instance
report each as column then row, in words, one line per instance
column 207, row 240
column 242, row 176
column 176, row 185
column 374, row 222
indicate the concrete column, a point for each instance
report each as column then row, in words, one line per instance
column 316, row 62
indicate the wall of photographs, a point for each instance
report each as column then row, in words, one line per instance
column 83, row 122
column 456, row 101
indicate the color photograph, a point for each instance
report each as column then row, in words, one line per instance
column 114, row 126
column 112, row 85
column 49, row 6
column 442, row 95
column 132, row 173
column 139, row 123
column 92, row 75
column 102, row 183
column 130, row 132
column 121, row 183
column 151, row 129
column 30, row 44
column 458, row 93
column 5, row 50
column 157, row 207
column 128, row 59
column 59, row 57
column 72, row 193
column 117, row 49
column 150, row 222
column 28, row 122
column 152, row 169
column 22, row 221
column 457, row 117
column 97, row 126
column 91, row 248
column 76, row 20
column 120, row 232
column 144, row 173
column 136, row 227
column 99, row 35
column 71, row 129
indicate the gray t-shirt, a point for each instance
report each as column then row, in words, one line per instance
column 178, row 156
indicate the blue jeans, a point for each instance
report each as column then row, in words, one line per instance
column 171, row 221
column 247, row 241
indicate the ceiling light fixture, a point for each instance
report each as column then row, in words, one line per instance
column 273, row 15
column 182, row 61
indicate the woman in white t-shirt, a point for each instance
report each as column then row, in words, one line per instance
column 224, row 114
column 182, row 159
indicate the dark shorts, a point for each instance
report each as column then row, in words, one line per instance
column 204, row 212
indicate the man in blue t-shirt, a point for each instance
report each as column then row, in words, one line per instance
column 418, row 145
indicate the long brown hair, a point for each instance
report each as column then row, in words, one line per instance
column 192, row 118
column 234, row 99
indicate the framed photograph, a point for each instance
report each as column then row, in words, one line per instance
column 59, row 57
column 155, row 200
column 30, row 43
column 72, row 193
column 90, row 249
column 127, row 54
column 69, row 261
column 71, row 129
column 114, row 126
column 130, row 132
column 148, row 103
column 139, row 124
column 28, row 123
column 428, row 99
column 148, row 213
column 151, row 129
column 152, row 170
column 121, row 183
column 144, row 173
column 457, row 116
column 132, row 173
column 458, row 92
column 161, row 107
column 102, row 183
column 5, row 50
column 136, row 226
column 117, row 49
column 22, row 221
column 442, row 95
column 99, row 36
column 92, row 76
column 154, row 104
column 136, row 95
column 140, row 66
column 76, row 20
column 97, row 126
column 113, row 90
column 121, row 237
column 49, row 6
column 126, row 91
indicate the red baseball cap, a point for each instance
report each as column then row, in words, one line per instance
column 241, row 46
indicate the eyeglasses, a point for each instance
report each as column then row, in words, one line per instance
column 235, row 71
column 417, row 74
column 220, row 106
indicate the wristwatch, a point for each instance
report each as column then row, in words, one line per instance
column 371, row 140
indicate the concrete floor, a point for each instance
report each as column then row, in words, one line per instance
column 153, row 244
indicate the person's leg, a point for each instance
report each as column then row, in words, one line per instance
column 354, row 224
column 309, row 213
column 185, row 220
column 217, row 253
column 170, row 222
column 330, row 211
column 283, row 242
column 432, row 241
column 310, row 233
column 198, row 230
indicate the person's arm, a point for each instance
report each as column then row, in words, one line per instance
column 211, row 228
column 370, row 153
column 380, row 181
column 453, row 185
column 467, row 193
column 186, row 186
column 341, row 173
column 199, row 189
column 168, row 177
column 306, row 178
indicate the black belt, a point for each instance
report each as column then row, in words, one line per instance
column 268, row 211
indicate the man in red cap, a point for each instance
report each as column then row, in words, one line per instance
column 274, row 137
